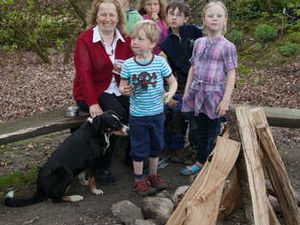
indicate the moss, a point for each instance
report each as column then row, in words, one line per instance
column 17, row 179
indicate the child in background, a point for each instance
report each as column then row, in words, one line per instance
column 155, row 10
column 132, row 16
column 178, row 47
column 210, row 81
column 142, row 78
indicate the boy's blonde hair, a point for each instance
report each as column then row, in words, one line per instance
column 218, row 3
column 93, row 13
column 162, row 8
column 150, row 28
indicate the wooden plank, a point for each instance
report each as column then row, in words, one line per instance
column 282, row 117
column 38, row 125
column 276, row 170
column 203, row 197
column 254, row 167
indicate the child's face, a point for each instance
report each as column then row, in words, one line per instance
column 140, row 44
column 215, row 19
column 151, row 7
column 175, row 18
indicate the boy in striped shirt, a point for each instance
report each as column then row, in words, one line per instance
column 142, row 78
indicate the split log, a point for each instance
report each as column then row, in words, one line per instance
column 231, row 195
column 254, row 167
column 200, row 205
column 276, row 170
column 272, row 215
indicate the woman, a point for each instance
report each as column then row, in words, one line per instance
column 95, row 86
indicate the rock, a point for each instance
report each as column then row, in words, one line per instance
column 163, row 194
column 157, row 208
column 179, row 193
column 144, row 222
column 126, row 212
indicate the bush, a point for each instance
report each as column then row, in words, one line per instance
column 265, row 33
column 235, row 36
column 289, row 49
column 36, row 27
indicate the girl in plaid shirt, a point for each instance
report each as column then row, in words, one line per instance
column 210, row 81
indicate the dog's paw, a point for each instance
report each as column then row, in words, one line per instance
column 76, row 198
column 97, row 191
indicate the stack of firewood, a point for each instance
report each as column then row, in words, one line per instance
column 235, row 174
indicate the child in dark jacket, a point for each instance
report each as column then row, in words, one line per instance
column 177, row 48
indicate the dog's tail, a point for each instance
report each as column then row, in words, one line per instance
column 13, row 202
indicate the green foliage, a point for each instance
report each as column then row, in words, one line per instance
column 257, row 47
column 33, row 26
column 17, row 179
column 235, row 36
column 289, row 49
column 265, row 33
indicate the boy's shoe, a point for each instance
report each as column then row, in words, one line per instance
column 157, row 182
column 143, row 188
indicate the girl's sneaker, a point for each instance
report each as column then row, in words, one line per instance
column 142, row 187
column 157, row 182
column 192, row 169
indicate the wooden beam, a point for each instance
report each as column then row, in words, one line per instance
column 282, row 117
column 254, row 167
column 202, row 200
column 38, row 125
column 276, row 170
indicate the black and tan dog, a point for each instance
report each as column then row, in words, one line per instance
column 76, row 154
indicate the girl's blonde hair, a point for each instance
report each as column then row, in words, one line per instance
column 213, row 3
column 162, row 8
column 150, row 28
column 92, row 15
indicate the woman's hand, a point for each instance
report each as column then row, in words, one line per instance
column 95, row 110
column 222, row 108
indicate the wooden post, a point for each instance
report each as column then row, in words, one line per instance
column 276, row 170
column 254, row 167
column 201, row 202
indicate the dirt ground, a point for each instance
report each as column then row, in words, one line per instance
column 34, row 87
column 96, row 209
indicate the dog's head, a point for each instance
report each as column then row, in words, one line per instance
column 109, row 122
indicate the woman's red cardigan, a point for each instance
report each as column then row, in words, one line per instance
column 94, row 68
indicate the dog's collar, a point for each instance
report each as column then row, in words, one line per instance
column 90, row 119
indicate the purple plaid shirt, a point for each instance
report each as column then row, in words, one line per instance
column 211, row 60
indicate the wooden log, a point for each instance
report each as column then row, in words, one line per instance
column 276, row 170
column 231, row 195
column 272, row 215
column 203, row 197
column 254, row 167
column 245, row 198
